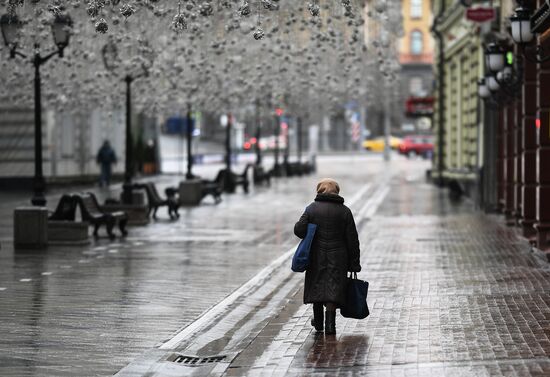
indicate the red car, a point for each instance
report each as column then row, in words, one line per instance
column 417, row 145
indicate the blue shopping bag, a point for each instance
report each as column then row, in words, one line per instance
column 300, row 260
column 356, row 298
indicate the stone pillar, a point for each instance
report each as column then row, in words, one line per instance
column 509, row 162
column 542, row 224
column 501, row 153
column 529, row 150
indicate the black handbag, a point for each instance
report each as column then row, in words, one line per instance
column 356, row 298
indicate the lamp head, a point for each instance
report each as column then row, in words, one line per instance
column 11, row 27
column 520, row 23
column 61, row 30
column 494, row 55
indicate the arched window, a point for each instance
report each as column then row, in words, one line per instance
column 417, row 42
column 416, row 8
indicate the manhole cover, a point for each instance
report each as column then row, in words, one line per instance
column 196, row 361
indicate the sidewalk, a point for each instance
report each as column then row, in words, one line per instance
column 453, row 293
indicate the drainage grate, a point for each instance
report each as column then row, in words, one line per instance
column 197, row 361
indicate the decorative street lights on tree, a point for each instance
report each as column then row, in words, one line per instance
column 112, row 62
column 61, row 30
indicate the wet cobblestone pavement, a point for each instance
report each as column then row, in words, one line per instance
column 452, row 292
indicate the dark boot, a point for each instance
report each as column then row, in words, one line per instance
column 330, row 324
column 317, row 320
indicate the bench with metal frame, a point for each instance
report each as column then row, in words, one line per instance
column 242, row 179
column 92, row 212
column 215, row 187
column 260, row 175
column 154, row 201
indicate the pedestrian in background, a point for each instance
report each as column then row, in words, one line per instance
column 106, row 157
column 334, row 251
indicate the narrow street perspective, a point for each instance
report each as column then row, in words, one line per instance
column 233, row 188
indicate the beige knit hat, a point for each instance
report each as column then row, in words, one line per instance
column 328, row 186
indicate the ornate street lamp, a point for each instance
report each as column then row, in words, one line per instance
column 61, row 31
column 521, row 26
column 523, row 35
column 112, row 62
column 494, row 57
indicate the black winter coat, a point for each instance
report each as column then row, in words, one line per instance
column 334, row 251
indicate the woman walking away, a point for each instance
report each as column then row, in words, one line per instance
column 334, row 252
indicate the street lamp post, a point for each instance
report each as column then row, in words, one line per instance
column 229, row 181
column 129, row 163
column 387, row 126
column 277, row 134
column 111, row 62
column 300, row 141
column 286, row 154
column 258, row 135
column 189, row 130
column 11, row 26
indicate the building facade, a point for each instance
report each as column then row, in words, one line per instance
column 492, row 116
column 458, row 124
column 416, row 54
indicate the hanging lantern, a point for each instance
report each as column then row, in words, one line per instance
column 521, row 26
column 494, row 57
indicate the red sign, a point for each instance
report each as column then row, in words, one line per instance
column 480, row 14
column 419, row 106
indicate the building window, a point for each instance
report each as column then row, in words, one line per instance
column 415, row 86
column 416, row 8
column 417, row 42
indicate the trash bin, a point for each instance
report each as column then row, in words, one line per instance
column 30, row 228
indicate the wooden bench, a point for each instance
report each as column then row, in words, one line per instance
column 242, row 179
column 215, row 187
column 260, row 175
column 92, row 212
column 154, row 200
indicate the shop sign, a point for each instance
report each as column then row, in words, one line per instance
column 419, row 106
column 480, row 14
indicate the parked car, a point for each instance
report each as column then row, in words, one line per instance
column 417, row 145
column 377, row 144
